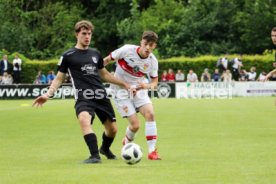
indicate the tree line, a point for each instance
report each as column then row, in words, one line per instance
column 43, row 29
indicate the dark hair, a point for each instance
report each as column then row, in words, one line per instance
column 150, row 36
column 274, row 29
column 83, row 24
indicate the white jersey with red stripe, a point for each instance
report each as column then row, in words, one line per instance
column 131, row 68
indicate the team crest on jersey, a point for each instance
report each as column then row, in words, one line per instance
column 125, row 108
column 136, row 69
column 146, row 66
column 94, row 60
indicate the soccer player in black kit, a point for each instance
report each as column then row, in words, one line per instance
column 85, row 66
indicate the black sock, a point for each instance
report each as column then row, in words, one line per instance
column 91, row 141
column 107, row 141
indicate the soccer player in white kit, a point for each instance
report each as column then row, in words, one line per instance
column 133, row 64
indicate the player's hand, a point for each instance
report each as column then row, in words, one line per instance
column 143, row 86
column 132, row 89
column 39, row 101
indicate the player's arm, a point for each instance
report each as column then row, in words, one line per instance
column 39, row 101
column 152, row 85
column 270, row 74
column 108, row 77
column 107, row 60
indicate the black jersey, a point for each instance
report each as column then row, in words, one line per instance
column 83, row 67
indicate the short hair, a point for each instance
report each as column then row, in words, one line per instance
column 274, row 29
column 150, row 36
column 83, row 24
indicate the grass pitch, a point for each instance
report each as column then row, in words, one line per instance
column 200, row 142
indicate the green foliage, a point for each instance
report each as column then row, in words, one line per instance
column 198, row 64
column 44, row 29
column 31, row 68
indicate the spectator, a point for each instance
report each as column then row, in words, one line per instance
column 192, row 77
column 236, row 68
column 205, row 76
column 251, row 76
column 262, row 77
column 50, row 77
column 170, row 76
column 164, row 76
column 40, row 78
column 216, row 76
column 223, row 63
column 7, row 79
column 226, row 76
column 243, row 76
column 4, row 65
column 17, row 62
column 179, row 76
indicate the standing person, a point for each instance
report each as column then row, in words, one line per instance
column 86, row 69
column 236, row 68
column 133, row 63
column 17, row 62
column 4, row 65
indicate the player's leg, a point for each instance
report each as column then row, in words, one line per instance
column 150, row 130
column 132, row 128
column 106, row 114
column 90, row 137
column 108, row 138
column 127, row 110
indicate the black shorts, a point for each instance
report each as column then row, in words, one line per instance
column 103, row 109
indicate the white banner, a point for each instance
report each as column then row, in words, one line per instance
column 224, row 90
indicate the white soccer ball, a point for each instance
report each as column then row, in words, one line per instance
column 131, row 153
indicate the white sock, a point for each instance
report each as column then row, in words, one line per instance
column 129, row 135
column 151, row 135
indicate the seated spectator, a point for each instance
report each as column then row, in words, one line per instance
column 50, row 77
column 205, row 76
column 179, row 76
column 216, row 76
column 164, row 76
column 7, row 79
column 251, row 76
column 226, row 76
column 243, row 76
column 262, row 77
column 191, row 76
column 40, row 78
column 170, row 76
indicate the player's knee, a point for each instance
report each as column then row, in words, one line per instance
column 135, row 127
column 113, row 130
column 149, row 116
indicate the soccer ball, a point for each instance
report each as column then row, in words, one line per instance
column 131, row 153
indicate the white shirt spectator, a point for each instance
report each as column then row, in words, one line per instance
column 237, row 63
column 17, row 61
column 224, row 62
column 251, row 76
column 179, row 76
column 262, row 77
column 192, row 77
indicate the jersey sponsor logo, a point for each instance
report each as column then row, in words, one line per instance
column 136, row 69
column 89, row 69
column 94, row 60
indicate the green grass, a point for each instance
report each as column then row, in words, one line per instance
column 200, row 141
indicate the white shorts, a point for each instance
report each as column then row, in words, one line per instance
column 129, row 106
